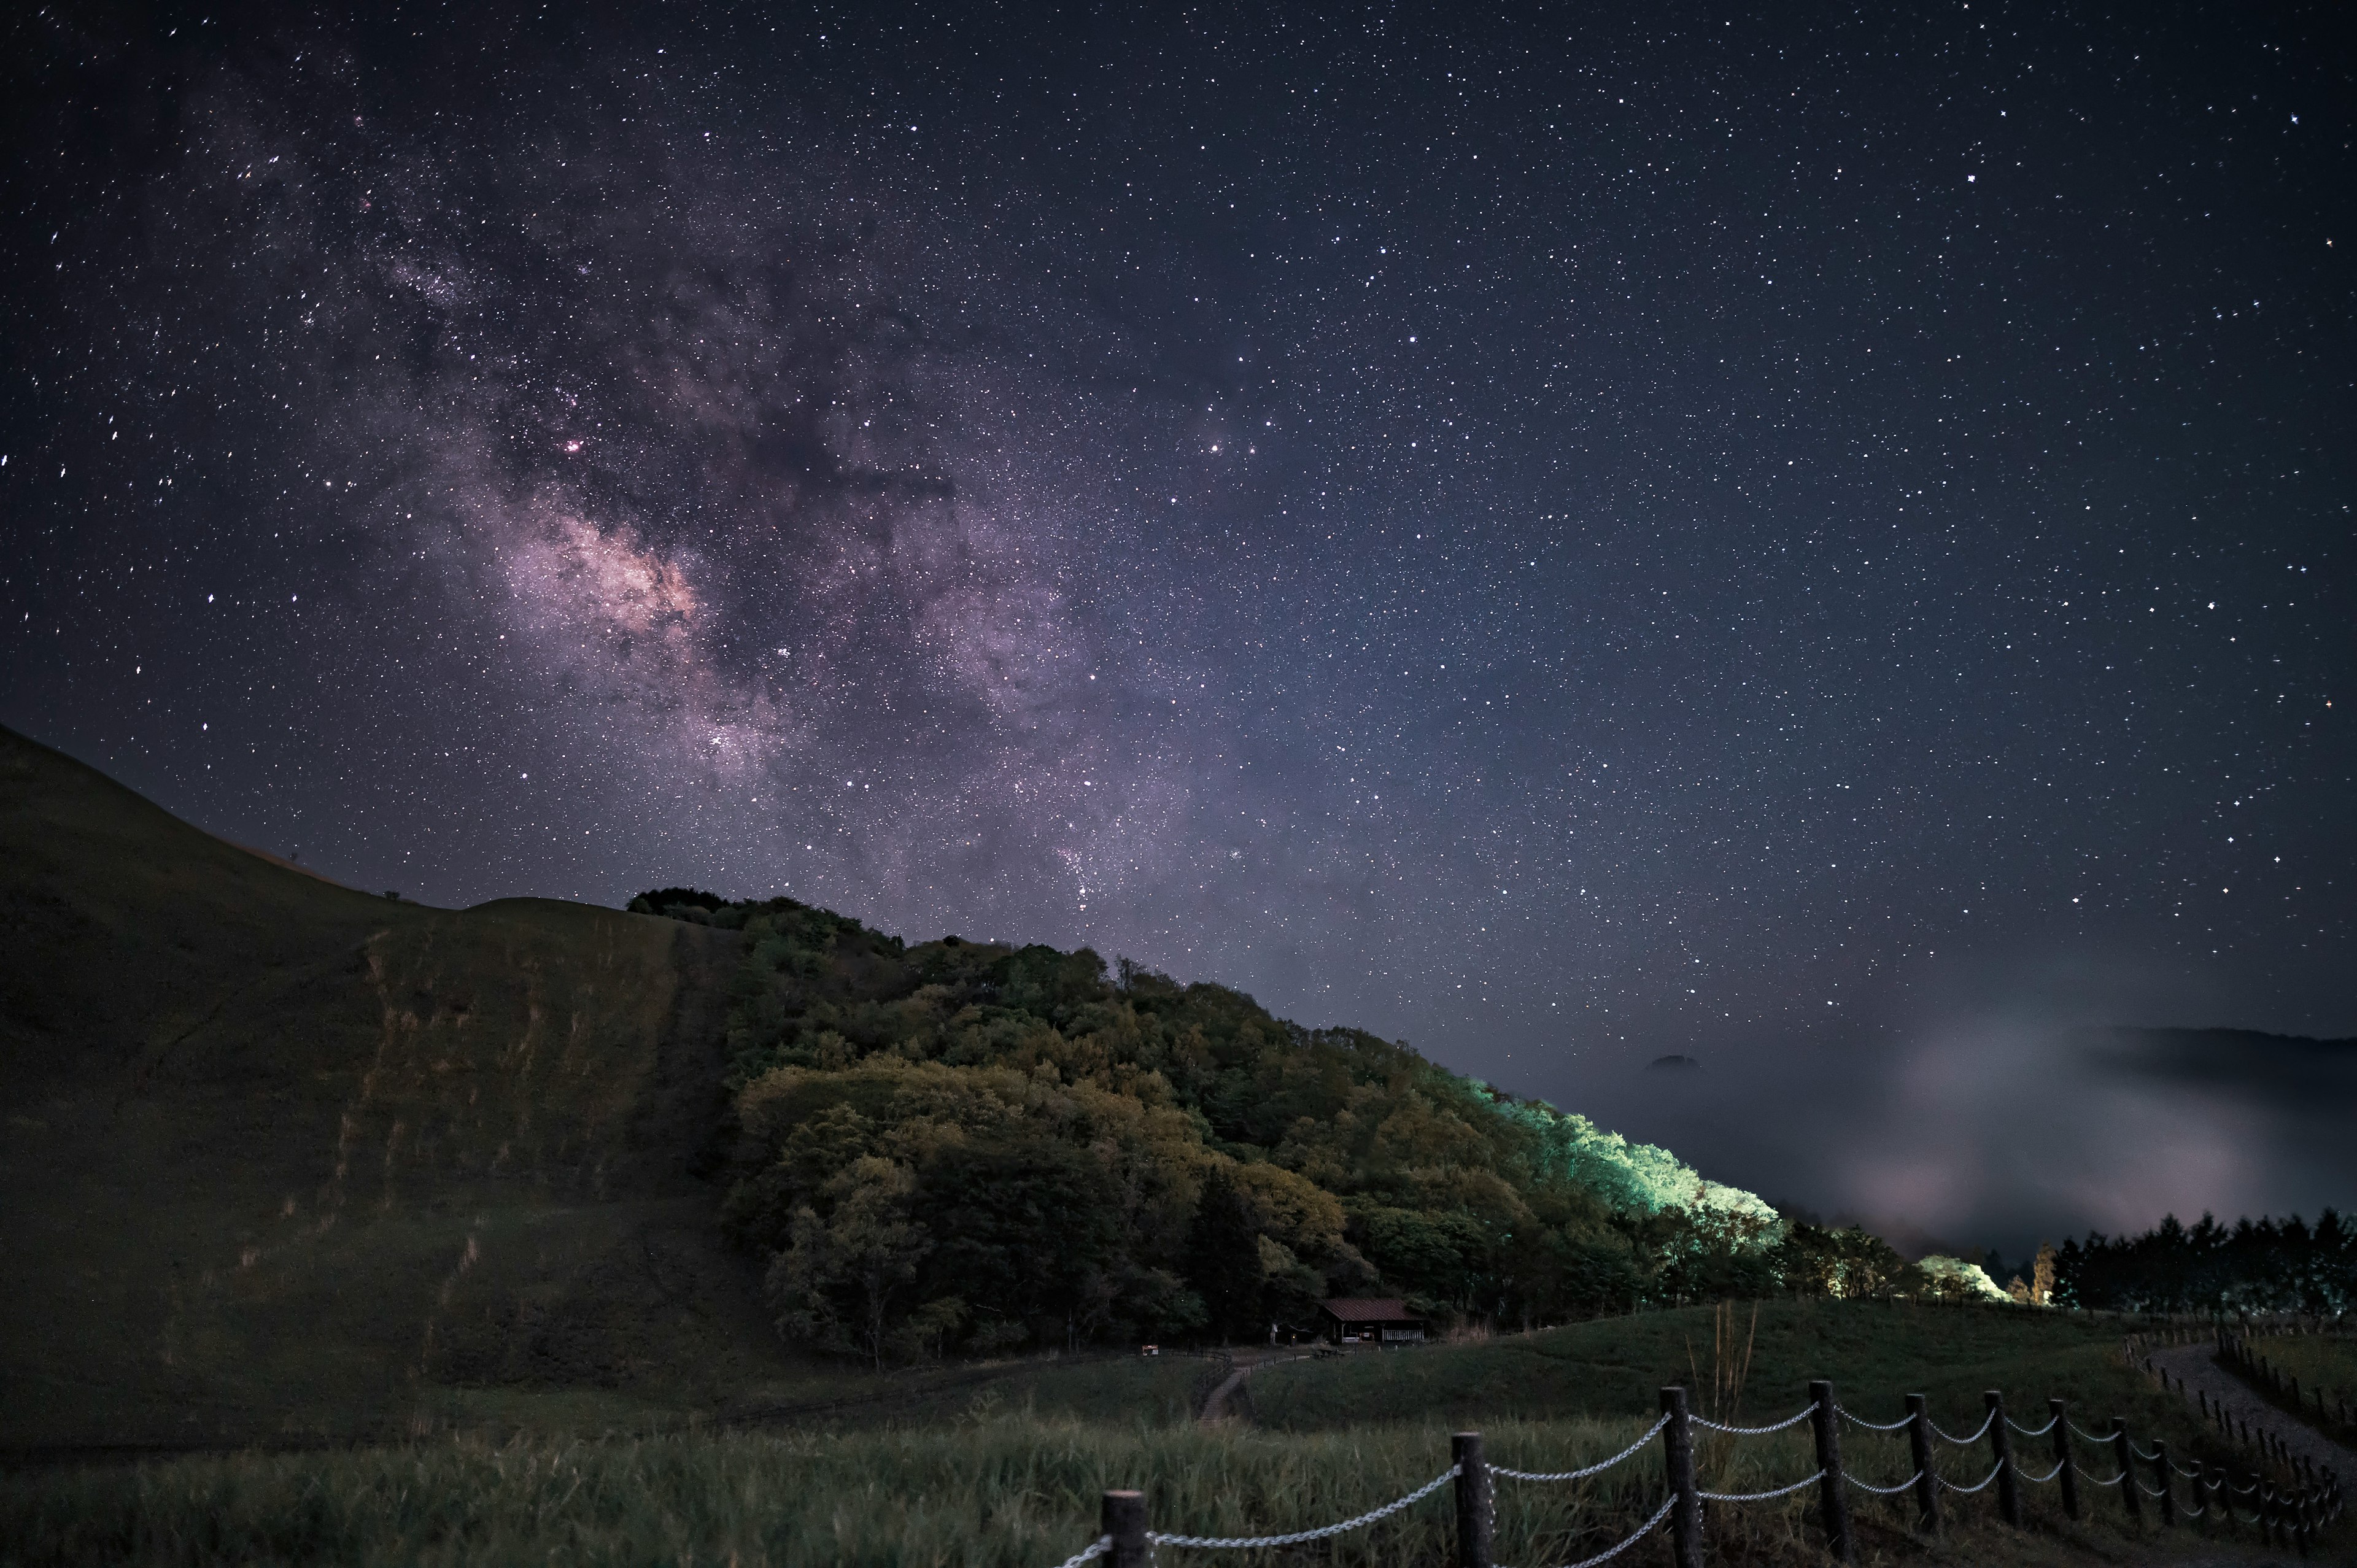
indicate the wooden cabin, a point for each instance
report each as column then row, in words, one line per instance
column 1356, row 1321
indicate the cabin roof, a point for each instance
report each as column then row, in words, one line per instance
column 1358, row 1309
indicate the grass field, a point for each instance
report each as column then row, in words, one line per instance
column 2326, row 1360
column 1012, row 1490
column 1006, row 1471
column 1876, row 1354
column 990, row 1492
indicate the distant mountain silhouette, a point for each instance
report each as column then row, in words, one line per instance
column 2296, row 1070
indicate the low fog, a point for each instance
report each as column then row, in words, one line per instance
column 2016, row 1109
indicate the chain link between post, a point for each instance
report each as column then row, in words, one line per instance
column 1984, row 1482
column 1978, row 1432
column 1872, row 1425
column 1756, row 1431
column 1760, row 1497
column 1652, row 1432
column 1241, row 1542
column 1094, row 1549
column 1644, row 1530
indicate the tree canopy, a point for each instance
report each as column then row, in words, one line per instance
column 2262, row 1265
column 961, row 1146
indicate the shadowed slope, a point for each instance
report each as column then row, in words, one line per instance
column 284, row 1157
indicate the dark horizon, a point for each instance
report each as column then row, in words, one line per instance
column 1813, row 542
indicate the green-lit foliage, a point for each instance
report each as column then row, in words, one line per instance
column 959, row 1145
column 1953, row 1280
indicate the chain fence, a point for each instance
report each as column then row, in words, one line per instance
column 1243, row 1543
column 1792, row 1420
column 2295, row 1512
column 1903, row 1421
column 1094, row 1549
column 1650, row 1433
column 1762, row 1496
column 1998, row 1469
column 1978, row 1432
column 1644, row 1530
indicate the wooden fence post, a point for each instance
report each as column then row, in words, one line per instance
column 1472, row 1501
column 2266, row 1501
column 1677, row 1459
column 2168, row 1485
column 1122, row 1517
column 1833, row 1503
column 2200, row 1495
column 2008, row 1494
column 2065, row 1471
column 2125, row 1451
column 1919, row 1449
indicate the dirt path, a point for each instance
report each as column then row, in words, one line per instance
column 2195, row 1365
column 1215, row 1408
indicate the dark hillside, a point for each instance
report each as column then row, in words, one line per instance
column 274, row 1147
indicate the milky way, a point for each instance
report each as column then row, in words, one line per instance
column 1817, row 544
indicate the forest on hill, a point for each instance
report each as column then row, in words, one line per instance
column 957, row 1147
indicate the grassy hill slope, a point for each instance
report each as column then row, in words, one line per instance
column 276, row 1148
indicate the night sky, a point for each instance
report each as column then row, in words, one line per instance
column 1811, row 538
